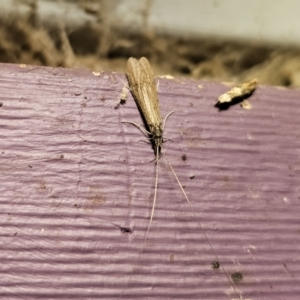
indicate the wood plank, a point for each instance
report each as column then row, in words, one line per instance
column 74, row 177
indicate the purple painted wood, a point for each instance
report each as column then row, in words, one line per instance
column 74, row 178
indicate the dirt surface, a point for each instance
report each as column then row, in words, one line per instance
column 26, row 39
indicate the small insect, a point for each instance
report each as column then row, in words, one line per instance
column 143, row 88
column 123, row 96
column 242, row 90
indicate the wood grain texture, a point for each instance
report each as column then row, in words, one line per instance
column 76, row 187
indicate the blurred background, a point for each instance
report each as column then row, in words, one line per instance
column 227, row 40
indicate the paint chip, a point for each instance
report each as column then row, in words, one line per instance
column 166, row 76
column 246, row 104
